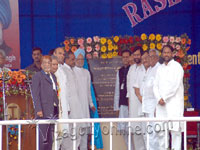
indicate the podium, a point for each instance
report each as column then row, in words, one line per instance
column 19, row 107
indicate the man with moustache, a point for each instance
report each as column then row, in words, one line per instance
column 36, row 55
column 45, row 100
column 148, row 98
column 134, row 103
column 169, row 93
column 74, row 103
column 120, row 99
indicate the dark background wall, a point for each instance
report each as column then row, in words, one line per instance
column 45, row 23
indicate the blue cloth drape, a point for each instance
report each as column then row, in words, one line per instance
column 98, row 142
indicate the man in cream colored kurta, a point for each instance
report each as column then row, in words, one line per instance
column 148, row 99
column 75, row 105
column 84, row 92
column 135, row 106
column 169, row 92
column 62, row 81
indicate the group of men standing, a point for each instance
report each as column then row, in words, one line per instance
column 149, row 89
column 62, row 90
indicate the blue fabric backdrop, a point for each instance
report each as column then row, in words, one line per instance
column 45, row 23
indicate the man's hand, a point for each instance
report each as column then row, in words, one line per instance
column 93, row 108
column 162, row 102
column 40, row 114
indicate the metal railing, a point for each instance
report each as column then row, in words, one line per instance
column 92, row 121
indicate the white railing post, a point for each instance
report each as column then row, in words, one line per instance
column 185, row 135
column 147, row 133
column 1, row 132
column 19, row 136
column 92, row 135
column 74, row 134
column 55, row 136
column 111, row 124
column 129, row 135
column 166, row 134
column 37, row 137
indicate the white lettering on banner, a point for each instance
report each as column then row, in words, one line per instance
column 131, row 9
column 10, row 58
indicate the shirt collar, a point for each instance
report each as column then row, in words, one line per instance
column 67, row 66
column 169, row 63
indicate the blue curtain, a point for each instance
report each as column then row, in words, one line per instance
column 98, row 142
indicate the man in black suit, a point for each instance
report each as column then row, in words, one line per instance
column 44, row 92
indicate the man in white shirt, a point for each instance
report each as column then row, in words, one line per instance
column 169, row 92
column 84, row 92
column 61, row 76
column 74, row 102
column 148, row 98
column 2, row 61
column 135, row 105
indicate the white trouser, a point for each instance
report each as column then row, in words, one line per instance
column 84, row 139
column 176, row 140
column 152, row 139
column 139, row 138
column 71, row 137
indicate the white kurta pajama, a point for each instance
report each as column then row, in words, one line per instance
column 75, row 108
column 63, row 101
column 168, row 85
column 149, row 104
column 135, row 106
column 85, row 99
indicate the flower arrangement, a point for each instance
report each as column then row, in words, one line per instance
column 15, row 84
column 95, row 47
column 129, row 43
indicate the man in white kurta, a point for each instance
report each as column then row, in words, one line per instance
column 135, row 106
column 138, row 86
column 62, row 82
column 84, row 92
column 149, row 100
column 169, row 92
column 120, row 99
column 75, row 106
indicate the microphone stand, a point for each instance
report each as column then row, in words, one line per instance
column 28, row 81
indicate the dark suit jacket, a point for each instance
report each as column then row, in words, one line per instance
column 43, row 94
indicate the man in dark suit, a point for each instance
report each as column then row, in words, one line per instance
column 44, row 92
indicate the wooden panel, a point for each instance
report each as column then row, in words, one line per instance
column 28, row 134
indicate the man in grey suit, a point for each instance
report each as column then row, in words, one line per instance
column 44, row 92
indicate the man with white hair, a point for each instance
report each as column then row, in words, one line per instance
column 2, row 61
column 148, row 98
column 84, row 92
